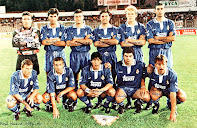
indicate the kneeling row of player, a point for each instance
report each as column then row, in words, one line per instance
column 96, row 81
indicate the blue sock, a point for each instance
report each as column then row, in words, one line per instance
column 15, row 109
column 36, row 105
column 107, row 102
column 85, row 100
column 121, row 104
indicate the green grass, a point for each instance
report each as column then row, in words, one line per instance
column 185, row 64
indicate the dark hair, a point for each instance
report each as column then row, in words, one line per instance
column 26, row 13
column 105, row 11
column 78, row 11
column 58, row 59
column 160, row 58
column 158, row 4
column 26, row 62
column 53, row 11
column 128, row 50
column 96, row 55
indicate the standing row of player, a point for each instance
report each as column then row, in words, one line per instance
column 160, row 33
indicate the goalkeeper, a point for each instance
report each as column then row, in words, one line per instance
column 27, row 42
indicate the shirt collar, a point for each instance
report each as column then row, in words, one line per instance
column 165, row 74
column 21, row 75
column 134, row 62
column 100, row 26
column 155, row 20
column 100, row 68
column 83, row 26
column 127, row 24
column 58, row 25
column 55, row 73
column 27, row 28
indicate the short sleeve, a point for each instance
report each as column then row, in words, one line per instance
column 172, row 27
column 35, row 85
column 50, row 84
column 173, row 83
column 83, row 79
column 149, row 31
column 71, row 80
column 122, row 35
column 14, row 86
column 109, row 78
column 43, row 35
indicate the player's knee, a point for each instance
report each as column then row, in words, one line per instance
column 182, row 95
column 45, row 97
column 11, row 101
column 111, row 92
column 146, row 98
column 155, row 93
column 119, row 98
column 80, row 93
column 72, row 95
column 38, row 98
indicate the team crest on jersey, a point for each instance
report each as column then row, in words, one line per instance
column 138, row 31
column 112, row 34
column 31, row 82
column 167, row 82
column 168, row 27
column 137, row 71
column 102, row 77
column 60, row 33
column 66, row 78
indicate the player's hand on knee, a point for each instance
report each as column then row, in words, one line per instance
column 31, row 101
column 56, row 113
column 29, row 108
column 173, row 117
column 91, row 93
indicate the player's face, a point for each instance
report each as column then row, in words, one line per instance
column 96, row 62
column 58, row 66
column 128, row 58
column 160, row 11
column 53, row 18
column 161, row 66
column 78, row 17
column 27, row 69
column 131, row 15
column 105, row 18
column 26, row 21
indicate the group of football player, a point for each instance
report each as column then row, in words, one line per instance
column 102, row 77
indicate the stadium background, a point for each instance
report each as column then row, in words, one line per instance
column 184, row 57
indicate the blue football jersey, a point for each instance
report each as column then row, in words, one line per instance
column 20, row 85
column 96, row 79
column 167, row 81
column 79, row 33
column 130, row 76
column 160, row 29
column 132, row 32
column 106, row 33
column 57, row 83
column 48, row 32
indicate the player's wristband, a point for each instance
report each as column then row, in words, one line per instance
column 143, row 87
column 87, row 90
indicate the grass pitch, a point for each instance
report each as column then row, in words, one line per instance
column 185, row 64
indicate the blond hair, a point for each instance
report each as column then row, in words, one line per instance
column 131, row 8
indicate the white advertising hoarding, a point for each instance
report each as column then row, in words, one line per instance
column 116, row 2
column 2, row 9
